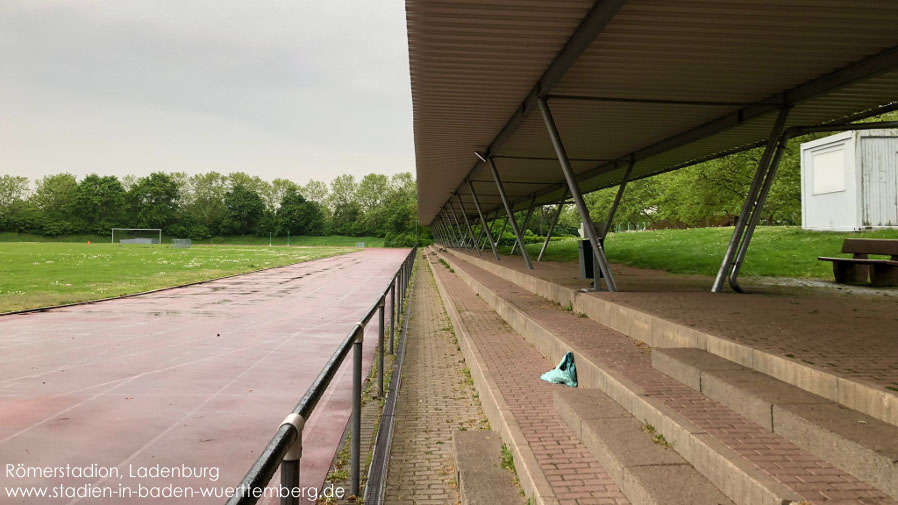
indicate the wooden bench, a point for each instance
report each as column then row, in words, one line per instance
column 856, row 270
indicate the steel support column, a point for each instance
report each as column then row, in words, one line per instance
column 508, row 210
column 461, row 231
column 727, row 265
column 552, row 226
column 453, row 239
column 617, row 198
column 491, row 222
column 478, row 239
column 574, row 188
column 464, row 215
column 486, row 229
column 526, row 220
column 502, row 231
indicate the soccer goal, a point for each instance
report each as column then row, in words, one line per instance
column 137, row 235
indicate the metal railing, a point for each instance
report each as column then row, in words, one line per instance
column 285, row 448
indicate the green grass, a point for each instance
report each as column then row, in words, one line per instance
column 329, row 240
column 36, row 275
column 778, row 251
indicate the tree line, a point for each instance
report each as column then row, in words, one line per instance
column 208, row 204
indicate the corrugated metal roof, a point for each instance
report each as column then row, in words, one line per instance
column 474, row 64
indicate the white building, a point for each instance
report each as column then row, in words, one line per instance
column 849, row 181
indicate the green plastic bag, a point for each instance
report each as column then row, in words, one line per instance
column 564, row 373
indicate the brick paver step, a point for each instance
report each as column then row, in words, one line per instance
column 833, row 345
column 647, row 470
column 749, row 463
column 553, row 464
column 860, row 444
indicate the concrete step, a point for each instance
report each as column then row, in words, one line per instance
column 857, row 443
column 644, row 466
column 480, row 476
column 552, row 464
column 746, row 462
column 854, row 393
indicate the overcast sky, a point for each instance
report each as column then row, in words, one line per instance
column 297, row 89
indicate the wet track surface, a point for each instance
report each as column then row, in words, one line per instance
column 196, row 377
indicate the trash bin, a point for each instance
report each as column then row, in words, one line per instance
column 587, row 258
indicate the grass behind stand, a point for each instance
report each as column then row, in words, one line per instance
column 775, row 251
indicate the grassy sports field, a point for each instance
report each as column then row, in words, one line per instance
column 776, row 251
column 39, row 274
column 328, row 240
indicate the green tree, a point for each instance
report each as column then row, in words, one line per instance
column 204, row 206
column 372, row 194
column 100, row 201
column 55, row 195
column 299, row 216
column 315, row 191
column 154, row 200
column 13, row 190
column 344, row 205
column 13, row 206
column 274, row 193
column 244, row 207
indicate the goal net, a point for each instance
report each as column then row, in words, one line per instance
column 137, row 235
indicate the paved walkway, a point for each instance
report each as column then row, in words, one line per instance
column 200, row 376
column 574, row 475
column 806, row 474
column 435, row 400
column 840, row 332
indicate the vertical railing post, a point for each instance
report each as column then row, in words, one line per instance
column 398, row 294
column 380, row 347
column 290, row 462
column 356, row 433
column 392, row 315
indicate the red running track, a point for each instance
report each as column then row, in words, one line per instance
column 197, row 377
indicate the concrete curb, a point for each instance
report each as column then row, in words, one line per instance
column 481, row 478
column 496, row 409
column 658, row 332
column 734, row 475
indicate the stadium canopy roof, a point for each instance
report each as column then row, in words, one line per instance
column 664, row 83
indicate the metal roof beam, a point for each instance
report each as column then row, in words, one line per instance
column 849, row 74
column 658, row 101
column 598, row 17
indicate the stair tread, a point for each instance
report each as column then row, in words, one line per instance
column 862, row 445
column 879, row 436
column 648, row 472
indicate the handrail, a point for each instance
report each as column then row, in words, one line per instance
column 285, row 447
